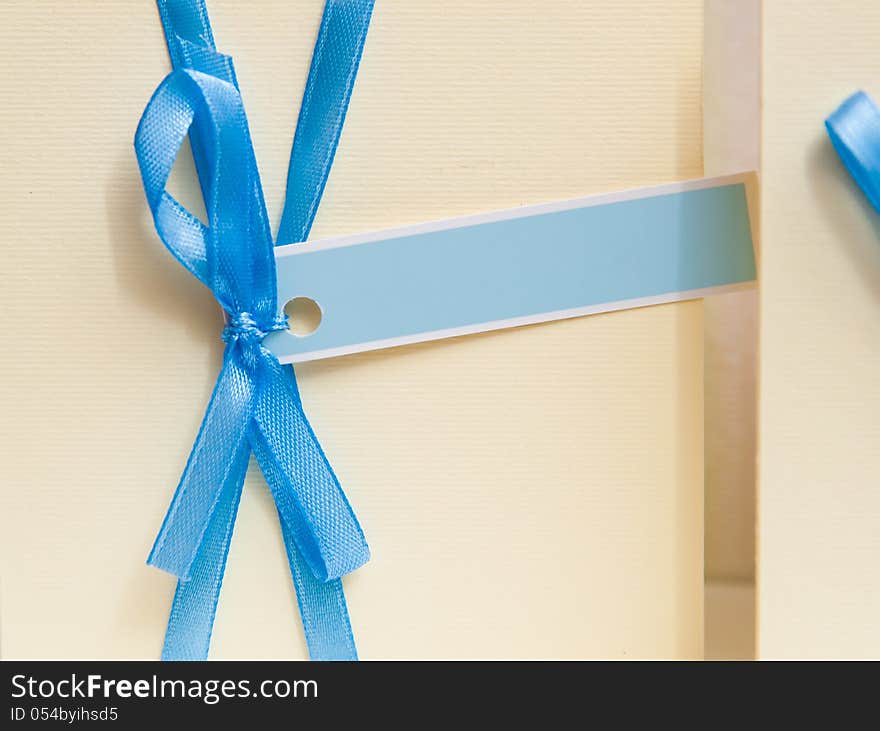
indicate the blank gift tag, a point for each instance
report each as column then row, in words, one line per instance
column 508, row 268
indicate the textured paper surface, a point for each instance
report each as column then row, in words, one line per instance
column 819, row 543
column 531, row 493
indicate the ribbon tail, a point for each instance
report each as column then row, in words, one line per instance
column 188, row 636
column 322, row 608
column 854, row 129
column 211, row 465
column 307, row 493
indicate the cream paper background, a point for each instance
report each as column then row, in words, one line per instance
column 819, row 502
column 531, row 493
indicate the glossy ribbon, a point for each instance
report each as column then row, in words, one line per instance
column 854, row 129
column 255, row 406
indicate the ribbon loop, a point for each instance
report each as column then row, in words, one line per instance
column 209, row 468
column 316, row 512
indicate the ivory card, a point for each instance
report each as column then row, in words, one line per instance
column 536, row 492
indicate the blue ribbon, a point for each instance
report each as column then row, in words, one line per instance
column 255, row 406
column 854, row 129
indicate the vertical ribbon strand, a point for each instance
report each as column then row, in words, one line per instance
column 255, row 405
column 335, row 62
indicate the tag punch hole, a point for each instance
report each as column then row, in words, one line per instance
column 304, row 315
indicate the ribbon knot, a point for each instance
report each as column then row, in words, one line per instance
column 244, row 327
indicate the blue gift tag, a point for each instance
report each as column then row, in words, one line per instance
column 510, row 268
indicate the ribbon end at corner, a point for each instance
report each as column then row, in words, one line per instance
column 181, row 570
column 336, row 569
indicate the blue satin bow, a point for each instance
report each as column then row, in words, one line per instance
column 854, row 129
column 255, row 406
